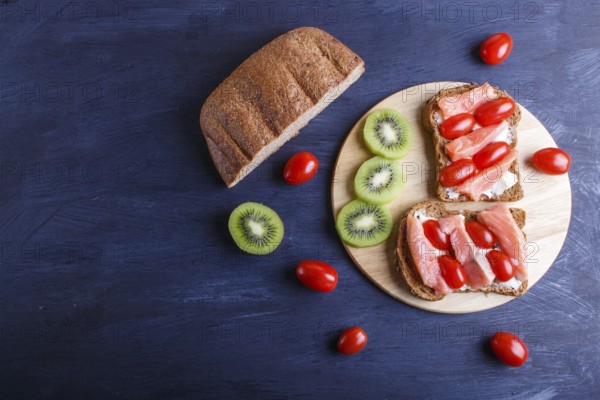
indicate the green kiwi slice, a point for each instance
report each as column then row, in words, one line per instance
column 361, row 224
column 255, row 228
column 388, row 134
column 378, row 181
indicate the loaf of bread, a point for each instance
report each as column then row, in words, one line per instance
column 431, row 116
column 404, row 262
column 273, row 94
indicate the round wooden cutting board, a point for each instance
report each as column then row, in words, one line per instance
column 547, row 201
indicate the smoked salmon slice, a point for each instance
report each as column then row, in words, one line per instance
column 424, row 256
column 510, row 238
column 465, row 251
column 478, row 275
column 486, row 179
column 466, row 102
column 470, row 144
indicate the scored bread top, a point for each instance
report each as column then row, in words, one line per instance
column 405, row 265
column 428, row 120
column 271, row 95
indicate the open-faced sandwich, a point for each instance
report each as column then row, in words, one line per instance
column 441, row 251
column 474, row 129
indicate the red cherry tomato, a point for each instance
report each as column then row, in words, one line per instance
column 317, row 275
column 480, row 234
column 457, row 172
column 434, row 234
column 457, row 126
column 491, row 154
column 452, row 271
column 494, row 111
column 496, row 48
column 352, row 340
column 301, row 167
column 552, row 161
column 509, row 348
column 501, row 265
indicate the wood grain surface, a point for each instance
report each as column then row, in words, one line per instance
column 118, row 276
column 543, row 195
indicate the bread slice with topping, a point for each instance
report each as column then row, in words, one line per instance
column 431, row 118
column 404, row 262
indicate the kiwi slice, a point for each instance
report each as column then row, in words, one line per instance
column 388, row 134
column 362, row 224
column 378, row 181
column 255, row 228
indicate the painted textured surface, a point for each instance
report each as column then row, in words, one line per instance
column 119, row 278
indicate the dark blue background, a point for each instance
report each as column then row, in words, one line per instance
column 119, row 278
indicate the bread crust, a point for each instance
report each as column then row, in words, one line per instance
column 406, row 267
column 513, row 193
column 271, row 95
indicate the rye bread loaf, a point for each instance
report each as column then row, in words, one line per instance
column 405, row 265
column 428, row 120
column 271, row 95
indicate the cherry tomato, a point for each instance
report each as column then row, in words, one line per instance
column 496, row 48
column 434, row 234
column 352, row 340
column 480, row 234
column 491, row 154
column 317, row 275
column 509, row 348
column 501, row 265
column 301, row 167
column 457, row 172
column 494, row 111
column 552, row 161
column 452, row 271
column 457, row 126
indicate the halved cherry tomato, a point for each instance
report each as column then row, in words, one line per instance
column 434, row 234
column 496, row 48
column 352, row 340
column 491, row 154
column 494, row 111
column 509, row 348
column 457, row 172
column 317, row 275
column 552, row 161
column 501, row 265
column 457, row 126
column 301, row 167
column 452, row 271
column 480, row 234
